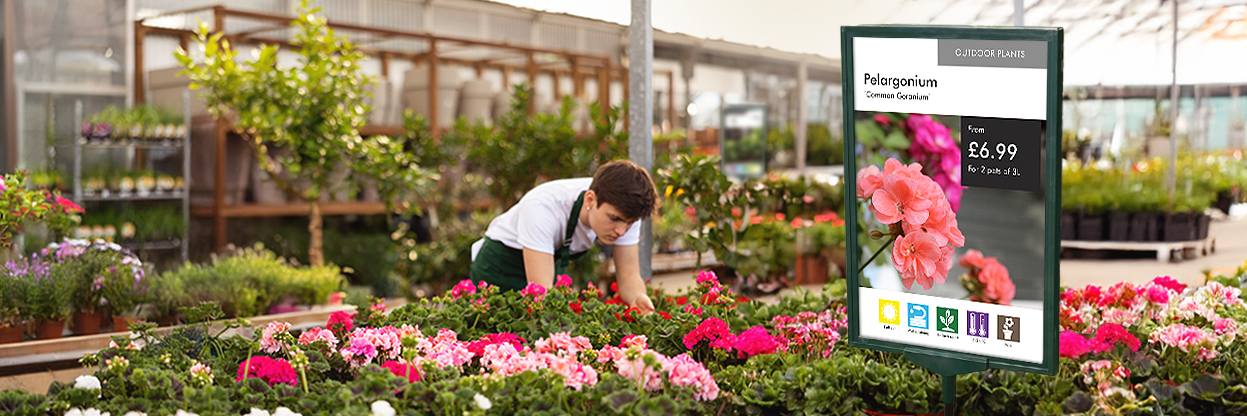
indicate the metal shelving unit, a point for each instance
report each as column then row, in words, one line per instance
column 181, row 195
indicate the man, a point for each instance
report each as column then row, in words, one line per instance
column 557, row 222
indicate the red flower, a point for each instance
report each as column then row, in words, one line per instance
column 68, row 205
column 882, row 120
column 615, row 287
column 681, row 300
column 628, row 315
column 664, row 315
column 576, row 307
column 742, row 299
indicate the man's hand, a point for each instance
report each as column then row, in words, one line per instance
column 637, row 299
column 628, row 274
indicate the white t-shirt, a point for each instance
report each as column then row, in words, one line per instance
column 539, row 220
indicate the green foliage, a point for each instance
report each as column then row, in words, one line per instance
column 1142, row 187
column 22, row 203
column 244, row 284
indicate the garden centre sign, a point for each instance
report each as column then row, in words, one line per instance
column 954, row 138
column 742, row 140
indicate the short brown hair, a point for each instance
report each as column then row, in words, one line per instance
column 626, row 186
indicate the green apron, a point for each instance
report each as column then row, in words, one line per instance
column 503, row 266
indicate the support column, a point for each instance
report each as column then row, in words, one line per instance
column 803, row 115
column 640, row 119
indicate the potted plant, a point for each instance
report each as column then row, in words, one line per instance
column 13, row 293
column 90, row 267
column 47, row 297
column 125, row 289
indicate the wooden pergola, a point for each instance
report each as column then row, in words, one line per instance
column 421, row 48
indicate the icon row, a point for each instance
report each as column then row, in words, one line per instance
column 946, row 320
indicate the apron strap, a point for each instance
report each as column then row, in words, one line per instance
column 562, row 257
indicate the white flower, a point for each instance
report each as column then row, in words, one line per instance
column 134, row 413
column 285, row 411
column 88, row 382
column 257, row 412
column 185, row 413
column 89, row 412
column 482, row 402
column 382, row 408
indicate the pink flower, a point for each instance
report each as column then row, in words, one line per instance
column 319, row 335
column 562, row 344
column 575, row 374
column 1121, row 372
column 359, row 352
column 639, row 341
column 67, row 205
column 272, row 371
column 919, row 258
column 1112, row 334
column 999, row 287
column 756, row 341
column 1072, row 344
column 1169, row 283
column 409, row 372
column 1157, row 294
column 930, row 136
column 868, row 181
column 1215, row 293
column 900, row 199
column 534, row 290
column 1226, row 327
column 710, row 329
column 636, row 370
column 478, row 347
column 682, row 370
column 1188, row 339
column 463, row 288
column 341, row 321
column 610, row 353
column 707, row 277
column 562, row 280
column 269, row 342
column 973, row 258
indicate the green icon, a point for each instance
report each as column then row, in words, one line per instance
column 946, row 320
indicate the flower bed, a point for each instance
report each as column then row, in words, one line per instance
column 1157, row 347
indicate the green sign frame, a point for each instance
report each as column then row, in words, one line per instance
column 946, row 362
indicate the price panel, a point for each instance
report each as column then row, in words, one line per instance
column 1001, row 153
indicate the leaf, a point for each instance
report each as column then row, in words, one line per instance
column 1080, row 402
column 1204, row 386
column 620, row 400
column 896, row 141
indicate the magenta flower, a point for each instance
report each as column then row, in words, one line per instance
column 341, row 321
column 710, row 329
column 534, row 290
column 409, row 372
column 756, row 341
column 272, row 371
column 1111, row 334
column 463, row 288
column 562, row 280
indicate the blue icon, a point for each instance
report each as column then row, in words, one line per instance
column 919, row 316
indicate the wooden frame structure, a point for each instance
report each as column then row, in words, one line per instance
column 422, row 48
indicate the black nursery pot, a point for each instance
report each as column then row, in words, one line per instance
column 1091, row 227
column 1069, row 225
column 1201, row 226
column 1118, row 226
column 1143, row 226
column 1179, row 227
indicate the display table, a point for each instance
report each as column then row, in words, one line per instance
column 1164, row 249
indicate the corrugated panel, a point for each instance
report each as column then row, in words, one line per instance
column 456, row 22
column 605, row 41
column 513, row 29
column 340, row 11
column 396, row 15
column 558, row 36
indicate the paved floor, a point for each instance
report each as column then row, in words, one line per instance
column 1231, row 252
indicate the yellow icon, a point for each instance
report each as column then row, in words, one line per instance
column 889, row 312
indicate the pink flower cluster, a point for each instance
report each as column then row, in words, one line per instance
column 751, row 342
column 811, row 332
column 505, row 360
column 477, row 347
column 900, row 194
column 272, row 371
column 1103, row 374
column 988, row 281
column 444, row 350
column 535, row 290
column 270, row 341
column 1107, row 336
column 562, row 344
column 341, row 321
column 1187, row 338
column 562, row 280
column 319, row 335
column 464, row 288
column 681, row 370
column 364, row 344
column 933, row 146
column 1126, row 304
column 409, row 372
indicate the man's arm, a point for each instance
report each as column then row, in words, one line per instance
column 628, row 274
column 539, row 267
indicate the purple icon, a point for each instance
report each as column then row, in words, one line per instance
column 976, row 325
